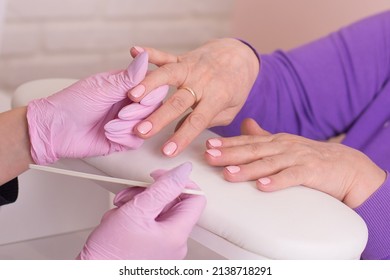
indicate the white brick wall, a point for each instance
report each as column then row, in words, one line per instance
column 75, row 38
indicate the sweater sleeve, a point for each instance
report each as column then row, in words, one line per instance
column 320, row 89
column 375, row 212
column 9, row 192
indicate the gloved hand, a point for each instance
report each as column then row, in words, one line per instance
column 120, row 130
column 152, row 223
column 70, row 123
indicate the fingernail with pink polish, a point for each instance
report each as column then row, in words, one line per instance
column 214, row 152
column 138, row 49
column 170, row 148
column 233, row 169
column 144, row 127
column 214, row 142
column 137, row 91
column 264, row 181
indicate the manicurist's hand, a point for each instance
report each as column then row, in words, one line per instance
column 152, row 223
column 82, row 120
column 214, row 80
column 278, row 161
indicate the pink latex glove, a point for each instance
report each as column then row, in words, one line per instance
column 70, row 123
column 152, row 223
column 120, row 130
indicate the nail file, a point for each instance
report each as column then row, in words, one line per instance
column 102, row 178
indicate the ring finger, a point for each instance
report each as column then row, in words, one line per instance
column 176, row 105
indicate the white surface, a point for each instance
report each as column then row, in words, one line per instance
column 56, row 247
column 67, row 246
column 5, row 101
column 51, row 204
column 101, row 178
column 297, row 223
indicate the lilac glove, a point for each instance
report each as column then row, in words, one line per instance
column 121, row 130
column 70, row 123
column 152, row 223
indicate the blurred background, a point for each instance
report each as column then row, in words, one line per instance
column 76, row 38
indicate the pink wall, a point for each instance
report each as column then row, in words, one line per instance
column 271, row 24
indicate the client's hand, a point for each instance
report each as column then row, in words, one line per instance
column 282, row 160
column 71, row 123
column 218, row 76
column 152, row 223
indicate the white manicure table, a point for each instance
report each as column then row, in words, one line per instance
column 239, row 222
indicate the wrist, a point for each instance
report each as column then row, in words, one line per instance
column 364, row 188
column 40, row 117
column 15, row 144
column 252, row 56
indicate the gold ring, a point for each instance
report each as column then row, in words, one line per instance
column 190, row 90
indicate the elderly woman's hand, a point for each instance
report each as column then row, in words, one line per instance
column 214, row 79
column 282, row 160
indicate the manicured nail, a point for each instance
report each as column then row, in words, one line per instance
column 264, row 181
column 144, row 127
column 155, row 96
column 170, row 148
column 214, row 142
column 137, row 91
column 233, row 169
column 138, row 49
column 214, row 152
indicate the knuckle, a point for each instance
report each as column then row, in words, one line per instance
column 177, row 103
column 255, row 148
column 172, row 73
column 270, row 163
column 197, row 121
column 167, row 70
column 291, row 176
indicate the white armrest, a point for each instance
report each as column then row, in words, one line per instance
column 296, row 223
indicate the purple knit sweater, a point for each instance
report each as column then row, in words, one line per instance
column 337, row 84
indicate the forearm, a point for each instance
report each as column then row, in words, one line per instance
column 14, row 144
column 375, row 211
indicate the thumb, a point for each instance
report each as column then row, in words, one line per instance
column 164, row 190
column 250, row 127
column 137, row 69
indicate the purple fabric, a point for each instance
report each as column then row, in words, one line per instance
column 373, row 212
column 337, row 84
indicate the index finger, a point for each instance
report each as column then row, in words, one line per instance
column 170, row 72
column 176, row 105
column 173, row 74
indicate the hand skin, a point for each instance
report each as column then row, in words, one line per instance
column 152, row 223
column 90, row 117
column 14, row 144
column 278, row 161
column 221, row 72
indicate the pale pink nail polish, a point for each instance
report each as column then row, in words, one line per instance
column 264, row 181
column 144, row 127
column 214, row 142
column 137, row 91
column 170, row 148
column 233, row 169
column 138, row 49
column 214, row 152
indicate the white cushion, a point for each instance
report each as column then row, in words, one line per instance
column 296, row 223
